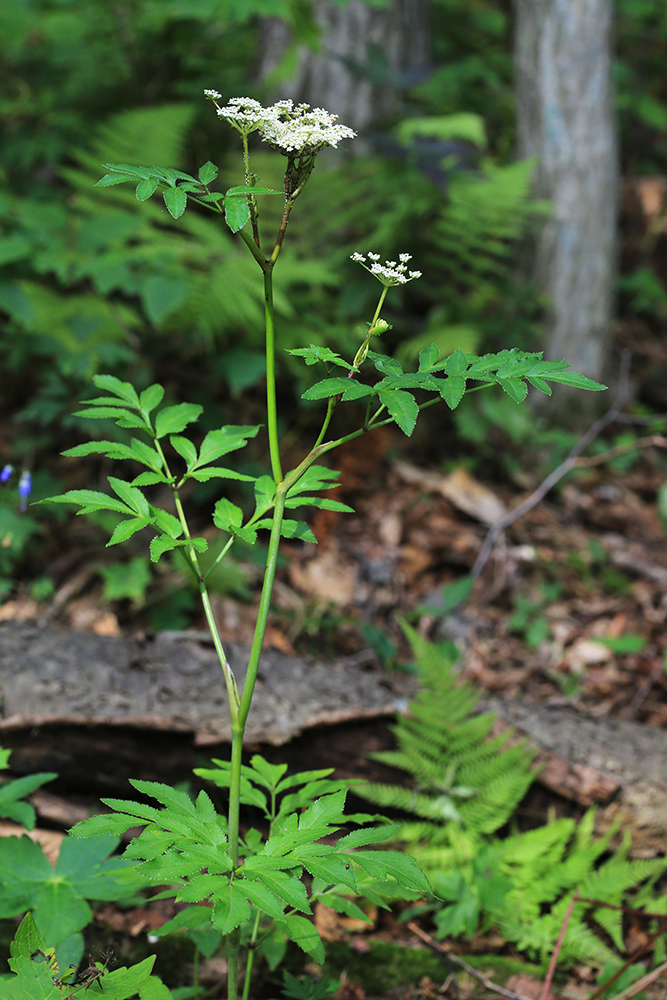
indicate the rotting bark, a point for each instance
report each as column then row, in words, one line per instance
column 76, row 702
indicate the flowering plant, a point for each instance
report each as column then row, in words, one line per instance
column 255, row 886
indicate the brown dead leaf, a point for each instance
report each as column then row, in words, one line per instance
column 460, row 488
column 525, row 985
column 652, row 195
column 328, row 924
column 327, row 577
column 21, row 610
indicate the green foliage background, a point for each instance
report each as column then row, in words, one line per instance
column 91, row 280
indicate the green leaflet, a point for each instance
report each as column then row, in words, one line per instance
column 403, row 408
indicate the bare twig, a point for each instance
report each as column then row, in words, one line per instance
column 633, row 958
column 622, row 396
column 652, row 441
column 642, row 983
column 643, row 691
column 452, row 959
column 559, row 944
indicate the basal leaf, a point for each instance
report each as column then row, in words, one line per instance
column 328, row 810
column 267, row 774
column 199, row 888
column 192, row 916
column 287, row 888
column 341, row 904
column 174, row 419
column 332, row 869
column 173, row 798
column 368, row 835
column 303, row 778
column 122, row 984
column 385, row 865
column 107, row 823
column 403, row 408
column 262, row 898
column 303, row 933
column 231, row 909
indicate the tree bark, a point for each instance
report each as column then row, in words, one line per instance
column 565, row 119
column 365, row 55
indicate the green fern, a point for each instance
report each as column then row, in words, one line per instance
column 460, row 773
column 466, row 784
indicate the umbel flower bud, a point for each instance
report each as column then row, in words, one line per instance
column 379, row 326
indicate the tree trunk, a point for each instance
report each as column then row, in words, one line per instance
column 566, row 121
column 365, row 56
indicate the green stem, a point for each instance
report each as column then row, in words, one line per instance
column 230, row 680
column 271, row 407
column 264, row 605
column 252, row 204
column 331, row 406
column 233, row 948
column 250, row 958
column 239, row 723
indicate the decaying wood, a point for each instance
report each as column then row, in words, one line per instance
column 173, row 682
column 82, row 704
column 631, row 755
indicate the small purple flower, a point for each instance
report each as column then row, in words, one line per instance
column 25, row 486
column 6, row 473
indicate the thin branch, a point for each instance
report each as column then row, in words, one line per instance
column 559, row 944
column 536, row 497
column 455, row 960
column 642, row 983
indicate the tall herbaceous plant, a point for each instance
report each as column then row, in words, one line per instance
column 252, row 889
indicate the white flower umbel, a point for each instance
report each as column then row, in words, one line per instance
column 295, row 129
column 243, row 113
column 391, row 272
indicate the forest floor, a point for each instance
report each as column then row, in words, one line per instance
column 571, row 606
